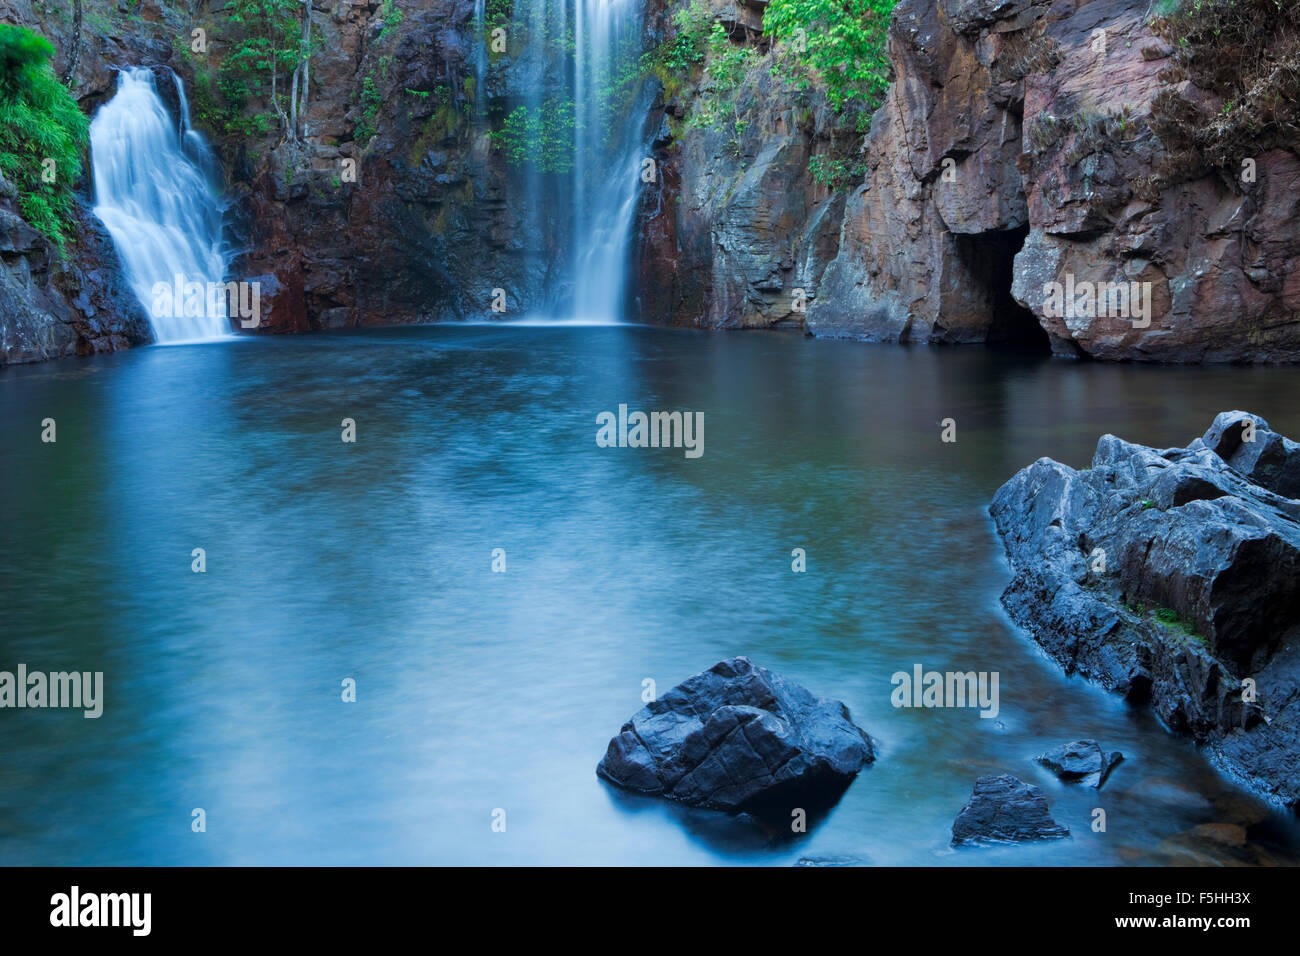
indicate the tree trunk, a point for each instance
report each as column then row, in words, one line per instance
column 279, row 110
column 293, row 99
column 306, row 62
column 301, row 77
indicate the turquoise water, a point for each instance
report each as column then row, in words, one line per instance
column 479, row 691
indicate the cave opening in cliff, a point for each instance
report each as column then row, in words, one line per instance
column 991, row 257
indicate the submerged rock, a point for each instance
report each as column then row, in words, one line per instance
column 1082, row 760
column 1004, row 809
column 832, row 861
column 739, row 737
column 1173, row 576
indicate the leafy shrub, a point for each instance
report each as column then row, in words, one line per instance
column 539, row 136
column 686, row 48
column 835, row 172
column 843, row 44
column 43, row 133
column 727, row 63
column 268, row 51
column 390, row 15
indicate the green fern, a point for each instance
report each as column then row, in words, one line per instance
column 43, row 133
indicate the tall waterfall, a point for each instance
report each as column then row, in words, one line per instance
column 480, row 56
column 153, row 193
column 609, row 148
column 569, row 95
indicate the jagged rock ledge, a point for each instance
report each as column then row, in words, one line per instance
column 1171, row 576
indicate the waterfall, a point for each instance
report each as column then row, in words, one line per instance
column 153, row 193
column 480, row 57
column 575, row 116
column 611, row 99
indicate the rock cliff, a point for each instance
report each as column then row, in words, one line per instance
column 1026, row 142
column 1021, row 143
column 736, row 232
column 1171, row 577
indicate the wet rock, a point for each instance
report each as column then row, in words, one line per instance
column 1171, row 576
column 52, row 306
column 1269, row 460
column 832, row 861
column 1004, row 809
column 1082, row 761
column 739, row 737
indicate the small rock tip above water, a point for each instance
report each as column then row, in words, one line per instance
column 1081, row 761
column 1005, row 809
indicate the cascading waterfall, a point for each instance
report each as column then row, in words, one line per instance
column 543, row 22
column 609, row 147
column 480, row 56
column 575, row 119
column 153, row 193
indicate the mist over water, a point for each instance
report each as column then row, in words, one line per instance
column 153, row 193
column 477, row 690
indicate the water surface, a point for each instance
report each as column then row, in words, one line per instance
column 479, row 691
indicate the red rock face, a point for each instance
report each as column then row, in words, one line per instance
column 1007, row 126
column 412, row 238
column 1046, row 127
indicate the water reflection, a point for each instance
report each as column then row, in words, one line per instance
column 479, row 691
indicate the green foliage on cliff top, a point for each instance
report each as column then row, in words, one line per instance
column 270, row 48
column 686, row 48
column 843, row 44
column 390, row 15
column 42, row 132
column 837, row 47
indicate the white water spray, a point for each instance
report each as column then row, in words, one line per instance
column 480, row 57
column 609, row 149
column 153, row 193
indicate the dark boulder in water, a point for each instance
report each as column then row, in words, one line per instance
column 1004, row 809
column 1173, row 576
column 740, row 738
column 1081, row 761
